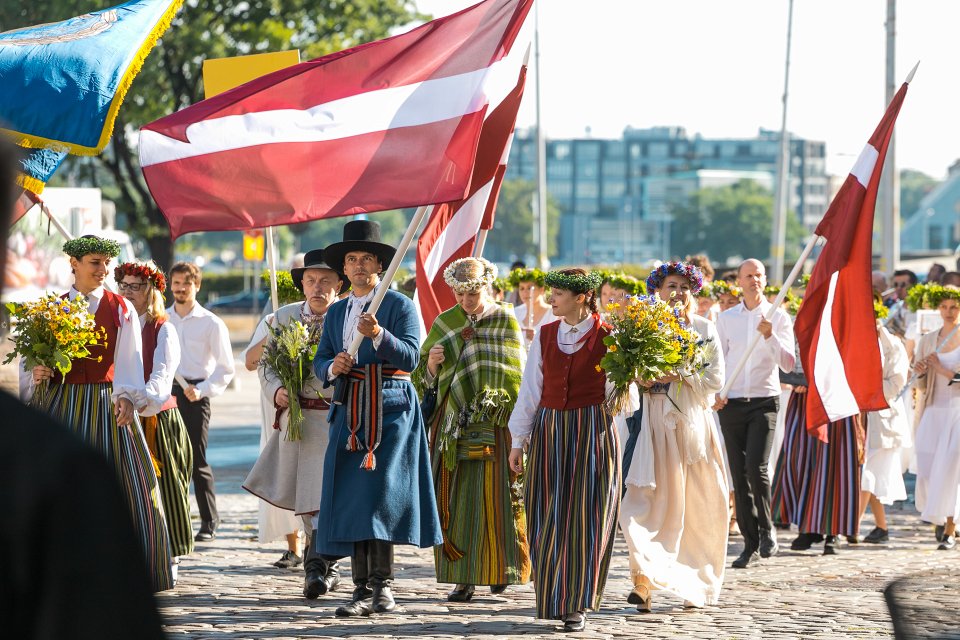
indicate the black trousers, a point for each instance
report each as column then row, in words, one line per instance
column 748, row 434
column 196, row 417
column 371, row 563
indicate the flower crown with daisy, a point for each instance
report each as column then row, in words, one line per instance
column 482, row 281
column 149, row 271
column 688, row 271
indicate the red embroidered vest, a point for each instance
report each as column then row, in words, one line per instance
column 151, row 335
column 571, row 381
column 88, row 370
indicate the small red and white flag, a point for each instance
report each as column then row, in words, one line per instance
column 451, row 232
column 835, row 327
column 385, row 125
column 23, row 204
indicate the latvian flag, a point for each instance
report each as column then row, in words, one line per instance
column 452, row 230
column 835, row 327
column 386, row 125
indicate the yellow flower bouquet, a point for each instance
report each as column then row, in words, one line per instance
column 650, row 340
column 53, row 332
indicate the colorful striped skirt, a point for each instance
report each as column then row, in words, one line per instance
column 817, row 484
column 484, row 522
column 87, row 410
column 174, row 455
column 572, row 495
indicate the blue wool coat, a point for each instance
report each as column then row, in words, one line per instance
column 396, row 501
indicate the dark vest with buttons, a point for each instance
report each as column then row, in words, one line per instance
column 151, row 335
column 571, row 381
column 88, row 370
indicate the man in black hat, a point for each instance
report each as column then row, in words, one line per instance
column 377, row 483
column 289, row 472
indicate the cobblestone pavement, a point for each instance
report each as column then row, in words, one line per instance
column 229, row 588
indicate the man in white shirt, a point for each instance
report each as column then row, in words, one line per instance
column 206, row 367
column 748, row 416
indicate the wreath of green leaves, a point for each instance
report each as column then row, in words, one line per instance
column 528, row 275
column 86, row 245
column 631, row 285
column 576, row 283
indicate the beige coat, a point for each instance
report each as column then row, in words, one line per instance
column 289, row 474
column 890, row 428
column 927, row 344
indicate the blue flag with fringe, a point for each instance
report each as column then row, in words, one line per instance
column 37, row 167
column 61, row 84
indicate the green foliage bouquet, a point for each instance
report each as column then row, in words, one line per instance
column 53, row 332
column 650, row 340
column 290, row 356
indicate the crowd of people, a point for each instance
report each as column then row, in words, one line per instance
column 490, row 439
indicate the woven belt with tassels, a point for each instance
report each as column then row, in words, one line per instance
column 365, row 404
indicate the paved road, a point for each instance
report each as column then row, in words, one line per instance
column 228, row 588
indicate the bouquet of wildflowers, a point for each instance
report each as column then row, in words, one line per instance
column 650, row 340
column 290, row 356
column 53, row 332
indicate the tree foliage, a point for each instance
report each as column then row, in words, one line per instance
column 512, row 235
column 914, row 186
column 171, row 78
column 730, row 221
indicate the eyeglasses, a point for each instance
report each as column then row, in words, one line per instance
column 900, row 285
column 131, row 286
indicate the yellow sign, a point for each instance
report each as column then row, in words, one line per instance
column 253, row 245
column 223, row 74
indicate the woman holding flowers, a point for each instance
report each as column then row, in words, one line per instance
column 143, row 284
column 675, row 511
column 937, row 362
column 533, row 312
column 473, row 359
column 572, row 484
column 98, row 397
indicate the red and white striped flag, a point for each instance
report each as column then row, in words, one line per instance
column 452, row 230
column 836, row 328
column 23, row 204
column 390, row 124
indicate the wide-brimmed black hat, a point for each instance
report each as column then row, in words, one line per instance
column 359, row 235
column 313, row 260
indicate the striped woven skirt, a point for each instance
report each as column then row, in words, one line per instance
column 572, row 495
column 817, row 484
column 175, row 458
column 485, row 537
column 88, row 411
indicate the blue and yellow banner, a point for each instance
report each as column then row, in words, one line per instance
column 61, row 84
column 37, row 167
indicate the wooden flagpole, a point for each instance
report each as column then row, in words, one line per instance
column 481, row 241
column 272, row 268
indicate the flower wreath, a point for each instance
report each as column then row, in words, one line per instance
column 149, row 271
column 935, row 294
column 720, row 287
column 579, row 283
column 626, row 283
column 528, row 275
column 502, row 284
column 473, row 284
column 85, row 245
column 689, row 271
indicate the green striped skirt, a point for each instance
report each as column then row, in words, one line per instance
column 87, row 410
column 485, row 540
column 175, row 456
column 573, row 499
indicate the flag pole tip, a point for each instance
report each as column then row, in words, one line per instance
column 912, row 71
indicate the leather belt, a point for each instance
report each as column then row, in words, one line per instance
column 750, row 400
column 314, row 404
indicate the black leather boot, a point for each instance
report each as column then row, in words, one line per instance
column 360, row 603
column 315, row 568
column 332, row 576
column 381, row 576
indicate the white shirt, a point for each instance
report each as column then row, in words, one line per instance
column 531, row 386
column 205, row 352
column 166, row 358
column 521, row 314
column 127, row 353
column 355, row 306
column 759, row 378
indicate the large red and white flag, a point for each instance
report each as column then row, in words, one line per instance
column 385, row 125
column 836, row 328
column 451, row 232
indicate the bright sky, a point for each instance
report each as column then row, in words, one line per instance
column 717, row 68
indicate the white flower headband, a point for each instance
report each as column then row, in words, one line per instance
column 473, row 284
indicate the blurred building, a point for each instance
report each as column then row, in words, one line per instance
column 935, row 226
column 615, row 195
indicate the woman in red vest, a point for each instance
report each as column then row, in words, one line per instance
column 572, row 483
column 143, row 284
column 100, row 394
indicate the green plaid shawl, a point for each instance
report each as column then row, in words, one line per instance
column 479, row 379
